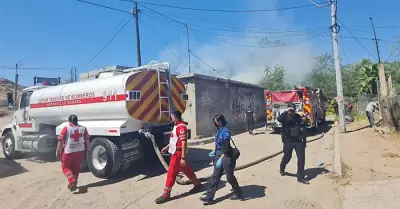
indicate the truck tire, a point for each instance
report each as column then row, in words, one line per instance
column 8, row 146
column 105, row 158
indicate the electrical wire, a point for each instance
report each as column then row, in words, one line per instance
column 240, row 25
column 216, row 71
column 355, row 38
column 103, row 6
column 229, row 29
column 34, row 68
column 109, row 42
column 222, row 10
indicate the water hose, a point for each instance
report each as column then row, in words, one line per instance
column 181, row 181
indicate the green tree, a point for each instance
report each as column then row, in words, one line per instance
column 323, row 75
column 366, row 75
column 274, row 79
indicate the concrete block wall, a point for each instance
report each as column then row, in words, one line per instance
column 209, row 96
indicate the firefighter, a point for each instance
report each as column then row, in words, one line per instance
column 72, row 142
column 249, row 118
column 223, row 161
column 177, row 148
column 293, row 137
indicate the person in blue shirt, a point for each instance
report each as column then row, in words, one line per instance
column 223, row 161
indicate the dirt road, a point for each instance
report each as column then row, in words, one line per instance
column 371, row 168
column 40, row 185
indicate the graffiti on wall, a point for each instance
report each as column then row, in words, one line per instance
column 240, row 103
column 207, row 101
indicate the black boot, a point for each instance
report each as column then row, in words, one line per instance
column 162, row 199
column 303, row 181
column 237, row 194
column 206, row 199
column 282, row 172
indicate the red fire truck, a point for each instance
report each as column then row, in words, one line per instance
column 309, row 102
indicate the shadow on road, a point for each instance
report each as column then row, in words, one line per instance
column 10, row 168
column 311, row 173
column 149, row 168
column 249, row 192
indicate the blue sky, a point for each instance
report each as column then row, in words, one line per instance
column 67, row 33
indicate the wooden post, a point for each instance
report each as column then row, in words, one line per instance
column 390, row 86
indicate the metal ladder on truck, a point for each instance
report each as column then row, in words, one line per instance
column 164, row 80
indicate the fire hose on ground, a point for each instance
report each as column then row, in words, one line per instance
column 181, row 181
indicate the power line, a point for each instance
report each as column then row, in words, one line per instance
column 245, row 26
column 161, row 14
column 223, row 10
column 103, row 6
column 115, row 35
column 356, row 39
column 254, row 46
column 216, row 71
column 230, row 29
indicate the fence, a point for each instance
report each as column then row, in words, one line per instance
column 360, row 102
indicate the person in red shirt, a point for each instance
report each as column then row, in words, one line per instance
column 72, row 142
column 177, row 148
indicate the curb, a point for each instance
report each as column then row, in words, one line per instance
column 197, row 142
column 337, row 162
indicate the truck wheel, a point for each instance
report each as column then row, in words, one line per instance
column 8, row 145
column 104, row 161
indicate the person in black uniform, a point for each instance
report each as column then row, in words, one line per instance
column 293, row 138
column 223, row 161
column 250, row 117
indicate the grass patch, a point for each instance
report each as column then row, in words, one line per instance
column 345, row 178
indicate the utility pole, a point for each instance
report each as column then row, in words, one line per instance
column 339, row 87
column 76, row 74
column 390, row 85
column 72, row 75
column 16, row 81
column 188, row 46
column 135, row 13
column 335, row 49
column 381, row 69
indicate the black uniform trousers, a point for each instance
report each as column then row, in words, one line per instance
column 250, row 125
column 300, row 148
column 228, row 165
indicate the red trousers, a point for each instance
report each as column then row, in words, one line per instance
column 71, row 165
column 173, row 170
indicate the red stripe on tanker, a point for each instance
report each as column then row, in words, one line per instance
column 92, row 100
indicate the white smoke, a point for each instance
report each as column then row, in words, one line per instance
column 247, row 64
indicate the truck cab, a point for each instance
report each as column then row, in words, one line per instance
column 24, row 134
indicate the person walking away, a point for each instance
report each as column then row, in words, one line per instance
column 250, row 118
column 72, row 142
column 294, row 138
column 223, row 161
column 371, row 107
column 177, row 147
column 350, row 108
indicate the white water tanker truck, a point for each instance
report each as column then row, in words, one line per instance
column 113, row 107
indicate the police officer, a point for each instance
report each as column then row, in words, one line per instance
column 293, row 137
column 250, row 117
column 223, row 161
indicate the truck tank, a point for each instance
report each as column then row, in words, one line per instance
column 136, row 95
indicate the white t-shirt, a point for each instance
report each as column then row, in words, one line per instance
column 371, row 106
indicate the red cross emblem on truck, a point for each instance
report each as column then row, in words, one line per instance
column 76, row 135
